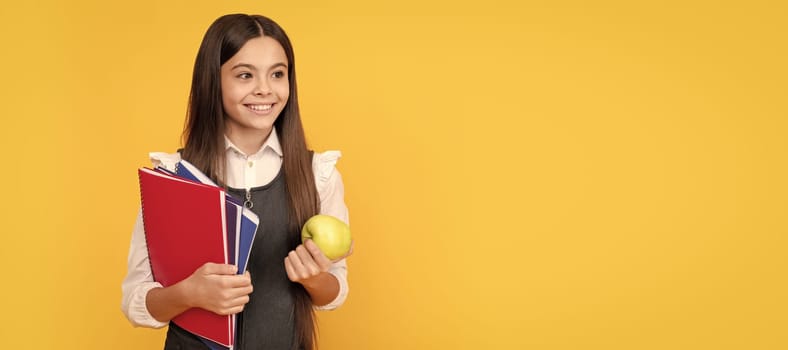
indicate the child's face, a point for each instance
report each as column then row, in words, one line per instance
column 255, row 88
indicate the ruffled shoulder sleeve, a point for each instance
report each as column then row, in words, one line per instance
column 324, row 165
column 166, row 160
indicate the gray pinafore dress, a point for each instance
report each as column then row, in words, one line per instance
column 267, row 321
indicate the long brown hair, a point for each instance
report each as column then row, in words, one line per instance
column 203, row 136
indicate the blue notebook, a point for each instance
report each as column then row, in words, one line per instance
column 249, row 224
column 233, row 215
column 240, row 246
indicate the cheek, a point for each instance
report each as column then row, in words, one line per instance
column 227, row 101
column 232, row 95
column 230, row 101
column 284, row 92
column 226, row 93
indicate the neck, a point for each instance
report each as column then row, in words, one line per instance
column 248, row 142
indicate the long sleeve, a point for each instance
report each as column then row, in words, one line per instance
column 139, row 277
column 331, row 190
column 138, row 281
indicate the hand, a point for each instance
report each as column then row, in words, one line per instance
column 306, row 262
column 217, row 288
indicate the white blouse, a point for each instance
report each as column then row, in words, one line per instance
column 243, row 171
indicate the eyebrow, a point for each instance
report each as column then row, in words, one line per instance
column 251, row 67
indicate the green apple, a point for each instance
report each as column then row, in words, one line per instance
column 330, row 234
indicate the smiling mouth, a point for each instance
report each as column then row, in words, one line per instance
column 260, row 108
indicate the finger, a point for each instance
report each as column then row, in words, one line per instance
column 308, row 261
column 219, row 269
column 235, row 281
column 231, row 311
column 246, row 277
column 233, row 301
column 304, row 255
column 239, row 301
column 320, row 259
column 291, row 274
column 232, row 296
column 298, row 267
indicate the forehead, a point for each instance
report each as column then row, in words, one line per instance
column 260, row 52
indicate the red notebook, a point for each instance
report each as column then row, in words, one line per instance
column 185, row 228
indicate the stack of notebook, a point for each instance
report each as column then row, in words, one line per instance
column 190, row 221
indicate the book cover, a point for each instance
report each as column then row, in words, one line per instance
column 185, row 227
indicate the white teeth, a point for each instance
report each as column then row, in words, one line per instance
column 260, row 107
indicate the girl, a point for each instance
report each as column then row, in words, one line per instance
column 244, row 131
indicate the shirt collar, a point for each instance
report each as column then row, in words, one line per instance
column 271, row 142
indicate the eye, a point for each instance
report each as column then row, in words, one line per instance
column 245, row 75
column 278, row 74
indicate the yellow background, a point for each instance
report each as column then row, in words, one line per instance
column 544, row 175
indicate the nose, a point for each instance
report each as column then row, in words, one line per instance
column 262, row 88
